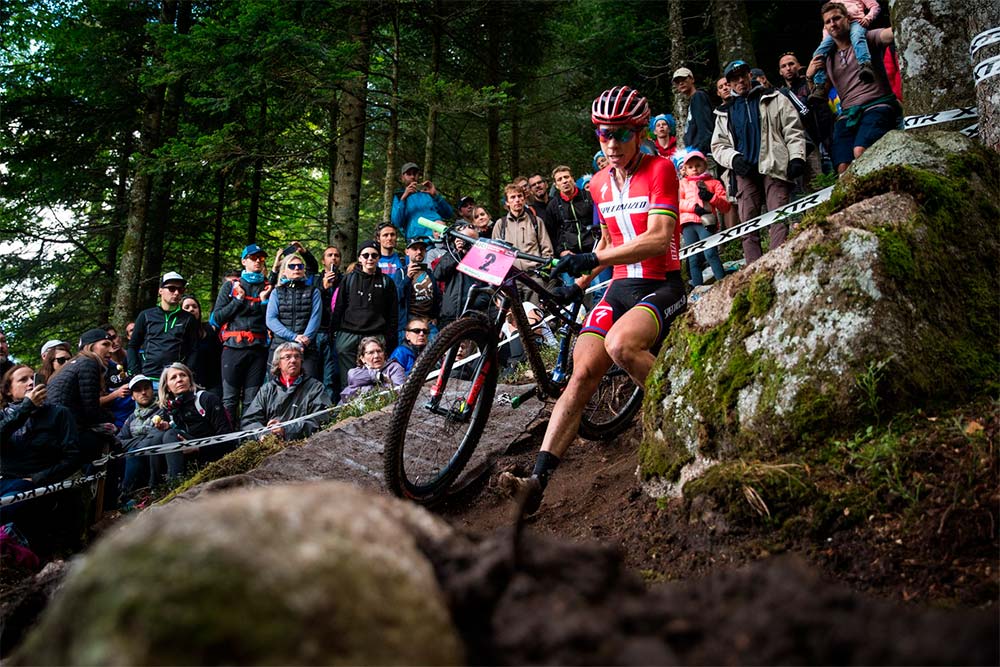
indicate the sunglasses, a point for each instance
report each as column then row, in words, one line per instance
column 173, row 288
column 619, row 134
column 296, row 267
column 419, row 331
column 368, row 255
column 60, row 360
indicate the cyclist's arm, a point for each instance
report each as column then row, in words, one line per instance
column 584, row 281
column 654, row 241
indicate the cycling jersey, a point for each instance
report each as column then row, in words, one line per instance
column 650, row 189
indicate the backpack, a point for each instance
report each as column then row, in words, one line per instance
column 536, row 223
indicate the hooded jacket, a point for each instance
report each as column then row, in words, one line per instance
column 276, row 401
column 367, row 305
column 689, row 197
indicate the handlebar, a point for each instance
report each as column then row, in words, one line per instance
column 442, row 228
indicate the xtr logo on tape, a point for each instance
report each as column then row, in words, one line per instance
column 991, row 36
column 987, row 69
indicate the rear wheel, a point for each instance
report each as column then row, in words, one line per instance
column 442, row 410
column 612, row 408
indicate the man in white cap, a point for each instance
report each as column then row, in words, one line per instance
column 165, row 333
column 700, row 119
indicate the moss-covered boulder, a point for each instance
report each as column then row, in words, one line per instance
column 886, row 299
column 307, row 574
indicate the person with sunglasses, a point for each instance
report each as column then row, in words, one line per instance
column 366, row 305
column 636, row 202
column 164, row 333
column 55, row 353
column 417, row 334
column 294, row 313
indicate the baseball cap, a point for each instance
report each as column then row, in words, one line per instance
column 384, row 225
column 172, row 277
column 682, row 73
column 49, row 344
column 408, row 166
column 756, row 71
column 464, row 201
column 367, row 244
column 137, row 379
column 734, row 66
column 692, row 154
column 418, row 240
column 252, row 249
column 92, row 336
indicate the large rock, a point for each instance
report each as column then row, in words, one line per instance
column 307, row 574
column 888, row 304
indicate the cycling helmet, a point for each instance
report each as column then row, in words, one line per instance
column 620, row 105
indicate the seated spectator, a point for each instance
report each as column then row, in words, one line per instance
column 702, row 203
column 140, row 431
column 420, row 295
column 372, row 371
column 294, row 313
column 38, row 446
column 417, row 333
column 55, row 353
column 191, row 413
column 208, row 368
column 287, row 395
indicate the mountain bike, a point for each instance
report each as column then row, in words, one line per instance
column 445, row 403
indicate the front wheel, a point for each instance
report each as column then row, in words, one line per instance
column 611, row 409
column 442, row 410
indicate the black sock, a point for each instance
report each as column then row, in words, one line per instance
column 545, row 465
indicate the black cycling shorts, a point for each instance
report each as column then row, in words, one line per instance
column 664, row 300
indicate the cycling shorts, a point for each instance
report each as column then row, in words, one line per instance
column 664, row 300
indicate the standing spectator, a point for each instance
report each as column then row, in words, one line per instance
column 287, row 395
column 421, row 296
column 55, row 353
column 417, row 199
column 538, row 200
column 241, row 311
column 312, row 266
column 372, row 371
column 722, row 89
column 138, row 432
column 600, row 161
column 759, row 136
column 858, row 15
column 757, row 74
column 698, row 131
column 366, row 306
column 868, row 109
column 482, row 222
column 815, row 116
column 293, row 313
column 417, row 334
column 663, row 128
column 324, row 341
column 728, row 178
column 573, row 209
column 525, row 231
column 390, row 262
column 701, row 198
column 466, row 209
column 118, row 399
column 209, row 369
column 456, row 283
column 165, row 333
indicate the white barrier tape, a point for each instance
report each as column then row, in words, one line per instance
column 983, row 39
column 21, row 496
column 971, row 131
column 923, row 120
column 987, row 69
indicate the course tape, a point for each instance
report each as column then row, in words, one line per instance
column 923, row 120
column 986, row 69
column 983, row 39
column 971, row 131
column 21, row 496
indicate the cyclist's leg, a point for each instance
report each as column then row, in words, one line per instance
column 629, row 342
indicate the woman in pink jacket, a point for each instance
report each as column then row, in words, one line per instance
column 701, row 196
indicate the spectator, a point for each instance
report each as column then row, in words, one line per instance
column 366, row 306
column 5, row 362
column 698, row 130
column 390, row 262
column 600, row 161
column 129, row 328
column 722, row 89
column 757, row 74
column 294, row 313
column 417, row 199
column 726, row 176
column 372, row 371
column 295, row 247
column 421, row 295
column 663, row 128
column 525, row 231
column 759, row 136
column 573, row 209
column 539, row 191
column 858, row 17
column 287, row 395
column 209, row 369
column 324, row 341
column 118, row 399
column 138, row 432
column 815, row 116
column 55, row 353
column 456, row 283
column 417, row 334
column 38, row 446
column 165, row 333
column 482, row 222
column 191, row 413
column 701, row 199
column 241, row 311
column 867, row 109
column 466, row 209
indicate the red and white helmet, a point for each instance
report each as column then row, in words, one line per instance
column 620, row 105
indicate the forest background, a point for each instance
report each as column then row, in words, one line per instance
column 144, row 136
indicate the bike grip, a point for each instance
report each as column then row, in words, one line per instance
column 432, row 224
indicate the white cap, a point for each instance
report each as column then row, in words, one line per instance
column 136, row 380
column 682, row 73
column 172, row 277
column 51, row 344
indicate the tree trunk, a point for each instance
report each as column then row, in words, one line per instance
column 253, row 215
column 732, row 31
column 332, row 112
column 493, row 113
column 982, row 17
column 391, row 176
column 117, row 229
column 932, row 38
column 350, row 147
column 515, row 138
column 678, row 53
column 432, row 111
column 220, row 209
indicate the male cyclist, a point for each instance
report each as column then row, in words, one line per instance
column 636, row 200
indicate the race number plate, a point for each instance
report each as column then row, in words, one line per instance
column 487, row 262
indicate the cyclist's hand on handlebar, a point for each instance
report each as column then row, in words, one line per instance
column 576, row 265
column 566, row 294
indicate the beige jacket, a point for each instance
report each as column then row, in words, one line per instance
column 782, row 136
column 527, row 234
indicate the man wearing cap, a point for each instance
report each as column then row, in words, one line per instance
column 758, row 75
column 417, row 199
column 140, row 431
column 698, row 129
column 421, row 296
column 758, row 134
column 466, row 206
column 165, row 333
column 241, row 311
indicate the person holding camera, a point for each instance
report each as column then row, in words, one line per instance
column 420, row 296
column 418, row 198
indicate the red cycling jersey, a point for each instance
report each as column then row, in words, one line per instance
column 650, row 189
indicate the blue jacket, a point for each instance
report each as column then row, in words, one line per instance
column 420, row 204
column 405, row 356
